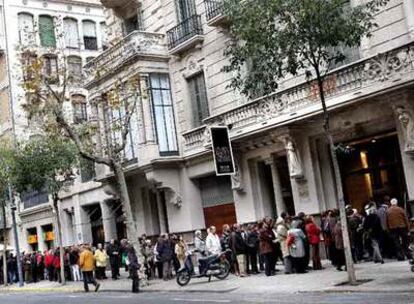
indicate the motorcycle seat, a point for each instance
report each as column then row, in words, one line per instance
column 209, row 258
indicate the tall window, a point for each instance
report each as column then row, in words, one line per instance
column 75, row 68
column 79, row 108
column 104, row 36
column 89, row 35
column 26, row 29
column 185, row 9
column 199, row 102
column 163, row 114
column 50, row 68
column 70, row 26
column 47, row 31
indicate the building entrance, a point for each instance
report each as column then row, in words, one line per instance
column 371, row 169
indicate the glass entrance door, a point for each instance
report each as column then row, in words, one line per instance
column 372, row 169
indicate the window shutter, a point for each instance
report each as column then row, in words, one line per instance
column 71, row 33
column 26, row 28
column 47, row 31
column 89, row 29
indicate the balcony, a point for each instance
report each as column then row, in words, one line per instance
column 34, row 198
column 214, row 13
column 349, row 83
column 186, row 35
column 138, row 45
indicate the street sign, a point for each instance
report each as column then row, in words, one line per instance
column 222, row 151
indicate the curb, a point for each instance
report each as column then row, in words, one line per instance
column 57, row 290
column 367, row 291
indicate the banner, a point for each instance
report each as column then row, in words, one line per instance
column 222, row 151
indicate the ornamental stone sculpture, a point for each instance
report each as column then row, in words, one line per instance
column 295, row 165
column 406, row 119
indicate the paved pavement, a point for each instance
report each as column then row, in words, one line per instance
column 208, row 298
column 392, row 277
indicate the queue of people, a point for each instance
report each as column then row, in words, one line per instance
column 381, row 231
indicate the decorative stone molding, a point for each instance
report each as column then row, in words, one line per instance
column 173, row 197
column 293, row 157
column 237, row 177
column 193, row 66
column 362, row 78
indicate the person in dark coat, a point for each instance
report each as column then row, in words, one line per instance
column 133, row 265
column 113, row 253
column 166, row 256
column 266, row 238
column 252, row 245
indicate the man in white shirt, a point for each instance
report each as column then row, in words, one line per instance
column 213, row 245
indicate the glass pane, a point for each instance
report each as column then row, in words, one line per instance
column 155, row 81
column 165, row 84
column 89, row 29
column 71, row 33
column 166, row 97
column 161, row 130
column 170, row 126
column 156, row 95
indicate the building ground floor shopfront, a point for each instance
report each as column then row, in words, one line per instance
column 286, row 168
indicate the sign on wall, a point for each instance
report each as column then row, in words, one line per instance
column 222, row 151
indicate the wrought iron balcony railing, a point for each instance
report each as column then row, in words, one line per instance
column 214, row 8
column 184, row 31
column 34, row 198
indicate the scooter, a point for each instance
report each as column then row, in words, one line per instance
column 215, row 265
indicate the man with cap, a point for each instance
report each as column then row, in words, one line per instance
column 398, row 225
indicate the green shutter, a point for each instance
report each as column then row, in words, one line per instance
column 47, row 31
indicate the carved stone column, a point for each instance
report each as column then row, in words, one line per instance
column 147, row 109
column 277, row 187
column 161, row 212
column 108, row 221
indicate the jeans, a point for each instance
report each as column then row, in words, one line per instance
column 241, row 260
column 88, row 279
column 167, row 269
column 75, row 272
column 376, row 255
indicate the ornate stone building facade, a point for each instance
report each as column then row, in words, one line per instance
column 283, row 164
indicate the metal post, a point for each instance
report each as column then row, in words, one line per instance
column 16, row 238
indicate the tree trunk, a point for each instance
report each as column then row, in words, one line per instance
column 131, row 227
column 3, row 211
column 338, row 183
column 60, row 241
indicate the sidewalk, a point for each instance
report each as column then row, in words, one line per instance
column 390, row 277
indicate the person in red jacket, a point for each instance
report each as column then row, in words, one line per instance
column 56, row 266
column 313, row 232
column 49, row 264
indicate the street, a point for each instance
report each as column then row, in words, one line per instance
column 234, row 297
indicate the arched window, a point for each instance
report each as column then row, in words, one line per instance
column 75, row 68
column 47, row 31
column 89, row 35
column 70, row 26
column 79, row 108
column 26, row 30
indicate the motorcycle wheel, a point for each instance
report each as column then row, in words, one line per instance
column 224, row 270
column 412, row 268
column 183, row 278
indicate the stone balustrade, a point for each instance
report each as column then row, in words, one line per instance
column 135, row 45
column 354, row 81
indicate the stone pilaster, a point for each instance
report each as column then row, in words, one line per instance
column 161, row 212
column 409, row 16
column 277, row 188
column 108, row 221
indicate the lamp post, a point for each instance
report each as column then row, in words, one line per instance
column 16, row 237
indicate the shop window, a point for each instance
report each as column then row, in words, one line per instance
column 70, row 26
column 198, row 97
column 163, row 114
column 89, row 35
column 26, row 28
column 47, row 31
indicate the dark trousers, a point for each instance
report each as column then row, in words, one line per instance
column 269, row 263
column 115, row 270
column 88, row 279
column 316, row 258
column 401, row 242
column 133, row 273
column 251, row 262
column 51, row 273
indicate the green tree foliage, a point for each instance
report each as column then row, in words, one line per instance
column 274, row 38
